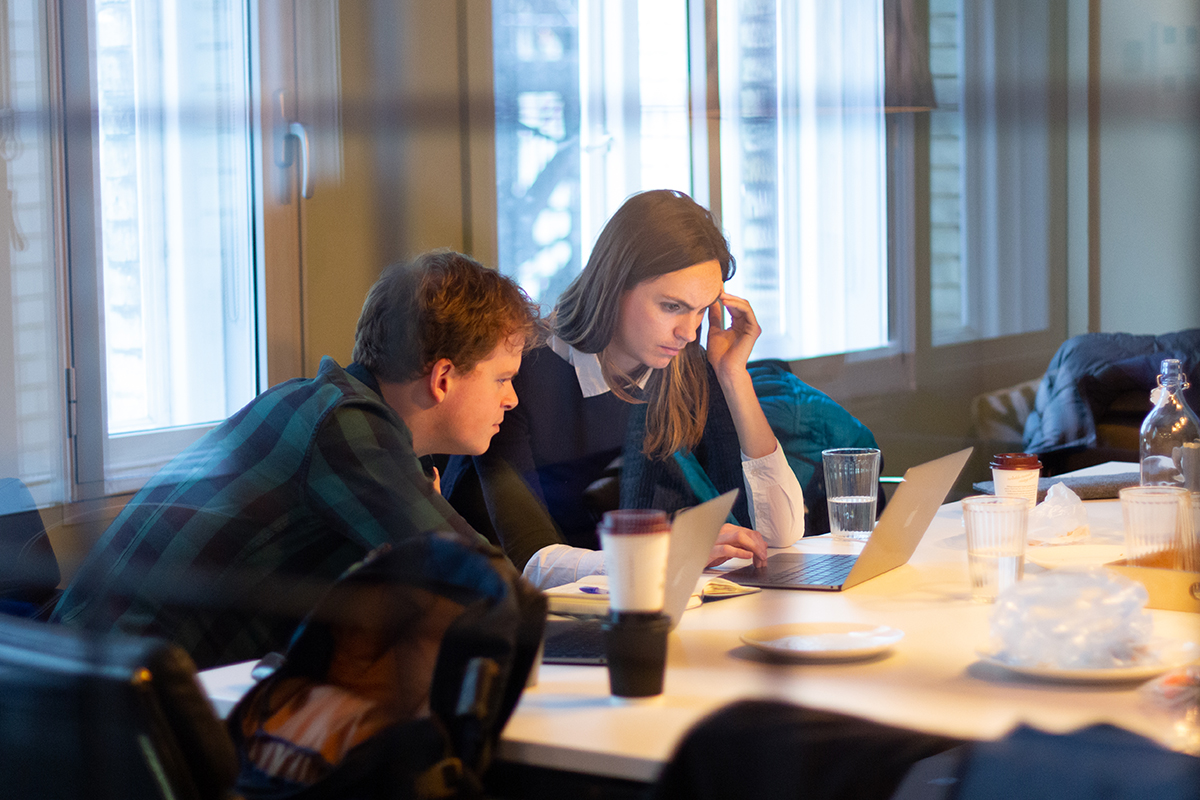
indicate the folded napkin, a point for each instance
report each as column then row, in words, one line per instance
column 1087, row 487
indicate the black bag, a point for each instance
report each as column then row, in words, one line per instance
column 398, row 683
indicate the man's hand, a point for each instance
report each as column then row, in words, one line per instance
column 735, row 541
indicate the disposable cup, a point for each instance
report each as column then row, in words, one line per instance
column 995, row 528
column 1016, row 475
column 851, row 490
column 635, row 544
column 1153, row 516
column 635, row 646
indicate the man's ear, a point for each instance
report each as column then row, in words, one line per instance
column 439, row 379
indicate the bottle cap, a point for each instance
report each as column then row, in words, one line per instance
column 1015, row 461
column 630, row 520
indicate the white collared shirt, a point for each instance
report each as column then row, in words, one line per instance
column 776, row 502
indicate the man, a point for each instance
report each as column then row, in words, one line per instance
column 234, row 540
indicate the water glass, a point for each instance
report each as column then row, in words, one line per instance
column 1189, row 535
column 851, row 488
column 996, row 528
column 1153, row 517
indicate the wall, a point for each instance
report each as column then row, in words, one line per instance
column 1149, row 166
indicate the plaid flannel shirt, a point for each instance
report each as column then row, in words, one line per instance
column 229, row 545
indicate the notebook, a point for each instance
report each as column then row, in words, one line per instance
column 899, row 530
column 693, row 533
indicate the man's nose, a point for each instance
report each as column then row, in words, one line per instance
column 510, row 399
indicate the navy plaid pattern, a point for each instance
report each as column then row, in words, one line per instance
column 230, row 544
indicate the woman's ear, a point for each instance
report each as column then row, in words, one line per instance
column 439, row 379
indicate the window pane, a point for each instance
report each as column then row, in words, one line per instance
column 32, row 418
column 174, row 177
column 990, row 170
column 803, row 150
column 591, row 106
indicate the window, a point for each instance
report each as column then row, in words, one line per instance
column 592, row 104
column 991, row 170
column 32, row 422
column 803, row 156
column 163, row 332
column 128, row 312
column 597, row 100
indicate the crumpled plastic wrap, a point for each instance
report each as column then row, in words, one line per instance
column 1059, row 519
column 1073, row 619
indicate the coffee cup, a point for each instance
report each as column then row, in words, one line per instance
column 635, row 544
column 1016, row 475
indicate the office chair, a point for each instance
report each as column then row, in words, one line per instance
column 29, row 573
column 105, row 716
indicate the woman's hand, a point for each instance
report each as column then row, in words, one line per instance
column 735, row 541
column 729, row 348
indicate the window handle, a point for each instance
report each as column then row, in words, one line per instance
column 297, row 130
column 287, row 129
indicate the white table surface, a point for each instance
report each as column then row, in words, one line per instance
column 932, row 680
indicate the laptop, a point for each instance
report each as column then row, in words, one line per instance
column 897, row 534
column 693, row 533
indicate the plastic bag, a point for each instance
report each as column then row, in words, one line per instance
column 1059, row 519
column 1073, row 619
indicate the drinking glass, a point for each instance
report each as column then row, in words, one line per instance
column 996, row 528
column 851, row 487
column 1153, row 516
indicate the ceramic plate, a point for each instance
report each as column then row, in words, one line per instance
column 824, row 641
column 1165, row 656
column 1074, row 555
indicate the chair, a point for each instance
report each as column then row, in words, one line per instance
column 105, row 716
column 29, row 573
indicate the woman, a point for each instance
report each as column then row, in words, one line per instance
column 623, row 374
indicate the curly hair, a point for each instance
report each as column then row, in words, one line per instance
column 441, row 304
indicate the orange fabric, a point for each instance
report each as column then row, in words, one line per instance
column 380, row 674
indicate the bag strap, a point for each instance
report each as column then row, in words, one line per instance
column 698, row 480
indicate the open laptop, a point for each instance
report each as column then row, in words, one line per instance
column 693, row 533
column 899, row 530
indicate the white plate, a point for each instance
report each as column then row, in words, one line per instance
column 1166, row 656
column 824, row 641
column 1074, row 555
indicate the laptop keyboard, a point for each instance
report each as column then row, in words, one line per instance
column 825, row 570
column 574, row 642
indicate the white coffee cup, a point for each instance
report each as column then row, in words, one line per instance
column 635, row 544
column 1016, row 475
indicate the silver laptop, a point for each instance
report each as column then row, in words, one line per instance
column 897, row 534
column 693, row 534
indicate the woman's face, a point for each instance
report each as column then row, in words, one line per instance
column 660, row 315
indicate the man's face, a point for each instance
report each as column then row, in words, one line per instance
column 475, row 401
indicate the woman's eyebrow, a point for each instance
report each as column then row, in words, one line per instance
column 670, row 299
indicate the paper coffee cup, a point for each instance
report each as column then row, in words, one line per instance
column 1016, row 475
column 635, row 544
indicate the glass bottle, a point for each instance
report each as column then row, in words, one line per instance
column 1169, row 450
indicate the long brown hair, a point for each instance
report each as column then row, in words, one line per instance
column 651, row 234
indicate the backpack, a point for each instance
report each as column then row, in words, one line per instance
column 398, row 683
column 805, row 421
